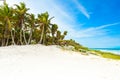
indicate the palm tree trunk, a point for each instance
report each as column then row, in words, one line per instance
column 21, row 37
column 13, row 41
column 5, row 34
column 30, row 37
column 3, row 41
column 41, row 38
column 7, row 42
column 53, row 40
column 44, row 38
column 2, row 37
column 24, row 37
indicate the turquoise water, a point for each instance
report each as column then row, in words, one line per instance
column 113, row 50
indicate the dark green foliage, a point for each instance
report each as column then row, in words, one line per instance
column 76, row 46
column 18, row 27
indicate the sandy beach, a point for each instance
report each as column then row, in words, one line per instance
column 38, row 62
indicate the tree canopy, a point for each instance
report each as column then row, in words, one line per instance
column 18, row 27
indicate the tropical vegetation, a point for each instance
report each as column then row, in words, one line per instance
column 19, row 27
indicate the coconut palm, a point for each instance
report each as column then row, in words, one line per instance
column 6, row 15
column 1, row 32
column 21, row 12
column 44, row 22
column 53, row 32
column 31, row 24
column 19, row 27
column 64, row 34
column 58, row 36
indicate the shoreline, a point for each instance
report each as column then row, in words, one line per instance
column 112, row 50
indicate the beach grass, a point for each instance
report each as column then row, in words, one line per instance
column 107, row 54
column 74, row 46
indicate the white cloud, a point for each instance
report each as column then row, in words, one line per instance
column 107, row 25
column 100, row 42
column 81, row 9
column 61, row 11
column 99, row 27
column 89, row 32
column 52, row 7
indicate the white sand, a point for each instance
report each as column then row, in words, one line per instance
column 39, row 62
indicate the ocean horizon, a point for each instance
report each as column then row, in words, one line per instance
column 112, row 50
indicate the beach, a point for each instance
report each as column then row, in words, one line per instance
column 38, row 62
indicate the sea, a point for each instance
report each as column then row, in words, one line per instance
column 112, row 50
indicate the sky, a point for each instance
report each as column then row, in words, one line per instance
column 92, row 23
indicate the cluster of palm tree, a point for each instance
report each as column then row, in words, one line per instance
column 18, row 27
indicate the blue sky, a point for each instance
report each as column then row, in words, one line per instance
column 93, row 23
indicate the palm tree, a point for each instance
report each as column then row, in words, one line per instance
column 53, row 32
column 1, row 32
column 64, row 34
column 21, row 12
column 6, row 15
column 58, row 36
column 31, row 24
column 44, row 22
column 19, row 27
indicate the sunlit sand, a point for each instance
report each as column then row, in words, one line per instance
column 37, row 62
